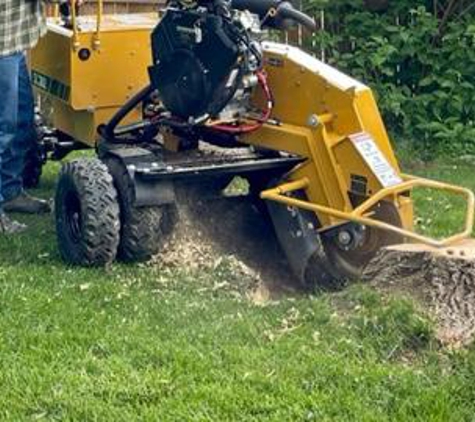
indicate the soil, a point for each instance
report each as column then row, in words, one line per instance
column 441, row 279
column 211, row 230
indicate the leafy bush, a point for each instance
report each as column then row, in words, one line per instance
column 420, row 63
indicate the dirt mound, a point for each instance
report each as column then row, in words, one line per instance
column 441, row 279
column 215, row 232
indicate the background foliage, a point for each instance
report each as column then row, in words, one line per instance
column 418, row 55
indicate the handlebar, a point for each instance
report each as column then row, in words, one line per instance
column 283, row 12
column 287, row 11
column 273, row 13
column 69, row 12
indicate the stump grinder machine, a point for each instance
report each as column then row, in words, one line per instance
column 198, row 94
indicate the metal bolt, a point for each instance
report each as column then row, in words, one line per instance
column 313, row 120
column 344, row 238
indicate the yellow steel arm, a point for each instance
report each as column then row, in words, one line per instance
column 358, row 215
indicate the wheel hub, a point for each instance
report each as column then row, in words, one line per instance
column 351, row 237
column 350, row 250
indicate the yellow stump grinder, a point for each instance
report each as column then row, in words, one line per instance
column 199, row 94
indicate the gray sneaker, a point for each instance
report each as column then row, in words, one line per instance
column 27, row 204
column 9, row 226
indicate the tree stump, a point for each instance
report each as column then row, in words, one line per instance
column 443, row 279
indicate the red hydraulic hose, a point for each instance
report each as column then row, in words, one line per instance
column 262, row 78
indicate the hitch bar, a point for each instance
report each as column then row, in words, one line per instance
column 358, row 215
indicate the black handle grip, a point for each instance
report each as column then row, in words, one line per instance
column 287, row 11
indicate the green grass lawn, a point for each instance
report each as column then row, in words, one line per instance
column 131, row 343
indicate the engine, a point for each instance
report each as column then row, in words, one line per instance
column 206, row 61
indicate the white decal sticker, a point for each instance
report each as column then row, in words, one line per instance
column 376, row 160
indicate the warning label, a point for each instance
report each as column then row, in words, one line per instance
column 377, row 162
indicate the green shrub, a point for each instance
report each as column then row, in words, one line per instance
column 421, row 66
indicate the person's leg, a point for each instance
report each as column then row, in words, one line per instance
column 9, row 72
column 9, row 98
column 16, row 200
column 14, row 157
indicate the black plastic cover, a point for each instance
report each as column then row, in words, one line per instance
column 195, row 60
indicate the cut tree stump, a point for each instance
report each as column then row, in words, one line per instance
column 442, row 278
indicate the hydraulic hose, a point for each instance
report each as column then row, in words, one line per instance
column 239, row 130
column 109, row 129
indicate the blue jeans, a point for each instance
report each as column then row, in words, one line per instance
column 17, row 128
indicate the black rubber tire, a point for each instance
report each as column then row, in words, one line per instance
column 87, row 213
column 142, row 228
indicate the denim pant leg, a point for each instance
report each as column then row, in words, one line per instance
column 14, row 156
column 9, row 82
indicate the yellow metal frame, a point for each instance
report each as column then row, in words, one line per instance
column 320, row 122
column 358, row 215
column 92, row 89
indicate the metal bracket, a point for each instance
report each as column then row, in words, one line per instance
column 140, row 161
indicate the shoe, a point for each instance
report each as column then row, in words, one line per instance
column 27, row 204
column 9, row 226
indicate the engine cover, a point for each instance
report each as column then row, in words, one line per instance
column 195, row 62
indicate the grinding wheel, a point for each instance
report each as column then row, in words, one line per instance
column 349, row 264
